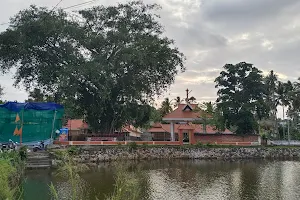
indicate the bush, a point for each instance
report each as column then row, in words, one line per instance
column 73, row 150
column 23, row 152
column 128, row 184
column 11, row 171
column 6, row 171
column 209, row 144
column 132, row 145
column 199, row 144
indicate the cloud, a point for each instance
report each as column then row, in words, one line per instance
column 212, row 33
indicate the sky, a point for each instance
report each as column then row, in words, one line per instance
column 210, row 33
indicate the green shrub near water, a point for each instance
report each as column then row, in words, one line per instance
column 6, row 170
column 132, row 146
column 11, row 171
column 127, row 184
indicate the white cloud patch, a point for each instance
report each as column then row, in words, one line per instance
column 267, row 44
column 211, row 33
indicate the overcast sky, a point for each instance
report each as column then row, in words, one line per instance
column 210, row 33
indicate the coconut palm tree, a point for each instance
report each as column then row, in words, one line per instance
column 165, row 107
column 273, row 87
column 178, row 101
column 192, row 100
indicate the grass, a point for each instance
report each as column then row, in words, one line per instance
column 127, row 184
column 11, row 171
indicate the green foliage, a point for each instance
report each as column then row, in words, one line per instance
column 23, row 152
column 211, row 115
column 70, row 170
column 11, row 171
column 199, row 144
column 73, row 150
column 6, row 170
column 53, row 192
column 132, row 146
column 109, row 64
column 209, row 144
column 127, row 186
column 166, row 107
column 241, row 93
column 264, row 136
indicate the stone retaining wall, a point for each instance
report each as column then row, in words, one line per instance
column 102, row 154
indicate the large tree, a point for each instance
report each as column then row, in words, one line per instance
column 241, row 93
column 108, row 61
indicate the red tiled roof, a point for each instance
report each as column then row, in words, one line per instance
column 76, row 124
column 130, row 128
column 181, row 113
column 198, row 129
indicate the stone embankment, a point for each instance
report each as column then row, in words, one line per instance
column 97, row 154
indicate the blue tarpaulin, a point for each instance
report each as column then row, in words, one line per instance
column 16, row 107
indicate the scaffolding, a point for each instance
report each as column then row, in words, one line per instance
column 29, row 122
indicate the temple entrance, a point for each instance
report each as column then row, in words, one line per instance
column 186, row 134
column 186, row 138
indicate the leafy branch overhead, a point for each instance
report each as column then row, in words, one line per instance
column 108, row 60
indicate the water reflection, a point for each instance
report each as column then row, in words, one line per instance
column 185, row 179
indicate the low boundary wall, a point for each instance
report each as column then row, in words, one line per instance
column 175, row 143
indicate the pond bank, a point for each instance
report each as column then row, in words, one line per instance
column 97, row 154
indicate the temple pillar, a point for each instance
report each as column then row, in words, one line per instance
column 180, row 137
column 172, row 132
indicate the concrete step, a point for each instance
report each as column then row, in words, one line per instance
column 40, row 159
column 38, row 166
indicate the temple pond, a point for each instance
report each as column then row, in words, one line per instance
column 184, row 179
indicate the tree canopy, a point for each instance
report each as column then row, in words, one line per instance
column 241, row 93
column 108, row 61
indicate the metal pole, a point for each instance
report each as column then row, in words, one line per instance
column 22, row 123
column 53, row 123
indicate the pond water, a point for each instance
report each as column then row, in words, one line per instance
column 184, row 179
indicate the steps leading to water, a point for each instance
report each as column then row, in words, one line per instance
column 39, row 160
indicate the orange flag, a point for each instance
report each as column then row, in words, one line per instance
column 17, row 118
column 18, row 131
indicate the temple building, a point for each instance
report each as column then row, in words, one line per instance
column 185, row 124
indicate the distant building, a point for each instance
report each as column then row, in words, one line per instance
column 180, row 127
column 79, row 131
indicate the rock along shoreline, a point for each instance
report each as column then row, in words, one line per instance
column 98, row 154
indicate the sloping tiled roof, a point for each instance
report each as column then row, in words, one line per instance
column 198, row 129
column 76, row 124
column 178, row 113
column 156, row 128
column 130, row 128
column 183, row 112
